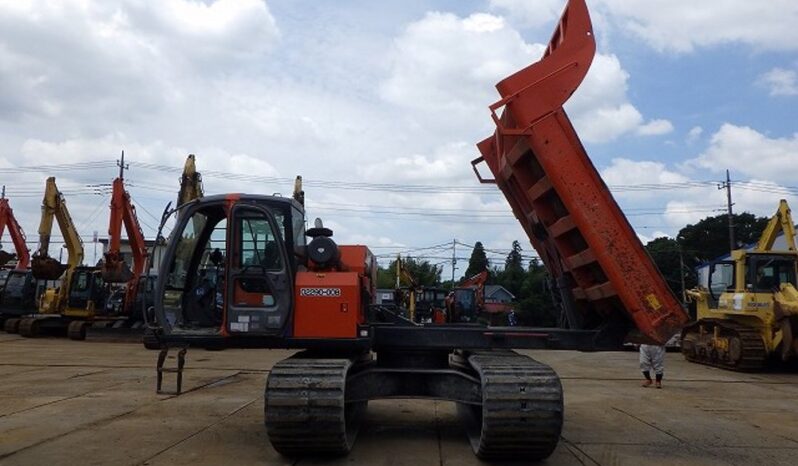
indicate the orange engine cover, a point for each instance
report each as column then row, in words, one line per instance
column 328, row 305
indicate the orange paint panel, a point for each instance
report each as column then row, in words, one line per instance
column 328, row 305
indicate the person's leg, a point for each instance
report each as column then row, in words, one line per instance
column 645, row 366
column 658, row 363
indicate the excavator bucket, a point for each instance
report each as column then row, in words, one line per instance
column 115, row 270
column 46, row 268
column 601, row 268
column 6, row 257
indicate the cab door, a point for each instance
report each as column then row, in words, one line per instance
column 259, row 289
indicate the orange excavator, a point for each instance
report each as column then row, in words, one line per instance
column 114, row 270
column 8, row 220
column 466, row 302
column 18, row 287
column 239, row 271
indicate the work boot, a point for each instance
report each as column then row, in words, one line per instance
column 658, row 384
column 646, row 383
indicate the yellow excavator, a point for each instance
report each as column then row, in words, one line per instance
column 55, row 303
column 749, row 311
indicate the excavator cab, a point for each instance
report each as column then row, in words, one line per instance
column 87, row 291
column 230, row 271
column 19, row 293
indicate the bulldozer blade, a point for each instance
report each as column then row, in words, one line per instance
column 116, row 272
column 46, row 268
column 6, row 257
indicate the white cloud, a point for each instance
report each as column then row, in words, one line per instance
column 780, row 81
column 534, row 13
column 446, row 67
column 683, row 25
column 749, row 152
column 655, row 128
column 694, row 133
column 680, row 25
column 450, row 64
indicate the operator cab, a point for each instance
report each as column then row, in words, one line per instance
column 763, row 273
column 228, row 268
column 87, row 289
column 19, row 292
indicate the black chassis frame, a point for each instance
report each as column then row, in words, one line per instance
column 440, row 337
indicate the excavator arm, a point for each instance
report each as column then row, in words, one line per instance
column 477, row 282
column 781, row 221
column 602, row 270
column 190, row 182
column 54, row 208
column 114, row 268
column 7, row 220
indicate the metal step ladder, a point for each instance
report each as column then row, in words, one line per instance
column 181, row 362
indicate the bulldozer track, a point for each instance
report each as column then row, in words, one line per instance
column 305, row 408
column 696, row 348
column 522, row 407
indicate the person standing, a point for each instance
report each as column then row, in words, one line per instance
column 652, row 358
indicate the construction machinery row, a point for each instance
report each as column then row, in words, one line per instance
column 243, row 270
column 72, row 298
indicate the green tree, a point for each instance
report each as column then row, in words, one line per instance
column 422, row 271
column 513, row 275
column 478, row 262
column 535, row 304
column 665, row 253
column 709, row 238
column 386, row 277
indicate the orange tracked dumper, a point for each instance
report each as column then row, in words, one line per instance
column 601, row 268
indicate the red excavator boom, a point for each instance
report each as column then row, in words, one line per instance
column 7, row 219
column 569, row 214
column 114, row 269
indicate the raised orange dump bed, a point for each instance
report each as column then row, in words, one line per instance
column 556, row 193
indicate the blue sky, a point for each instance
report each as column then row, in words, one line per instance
column 395, row 93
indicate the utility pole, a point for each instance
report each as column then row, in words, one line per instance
column 122, row 166
column 454, row 259
column 729, row 204
column 681, row 274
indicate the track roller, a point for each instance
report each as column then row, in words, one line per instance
column 11, row 325
column 77, row 330
column 738, row 347
column 305, row 408
column 29, row 328
column 521, row 414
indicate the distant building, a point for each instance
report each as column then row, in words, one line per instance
column 498, row 299
column 124, row 248
column 498, row 294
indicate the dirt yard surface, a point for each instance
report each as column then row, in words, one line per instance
column 66, row 402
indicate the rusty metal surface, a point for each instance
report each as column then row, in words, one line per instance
column 558, row 196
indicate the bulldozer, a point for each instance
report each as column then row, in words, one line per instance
column 748, row 313
column 242, row 270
